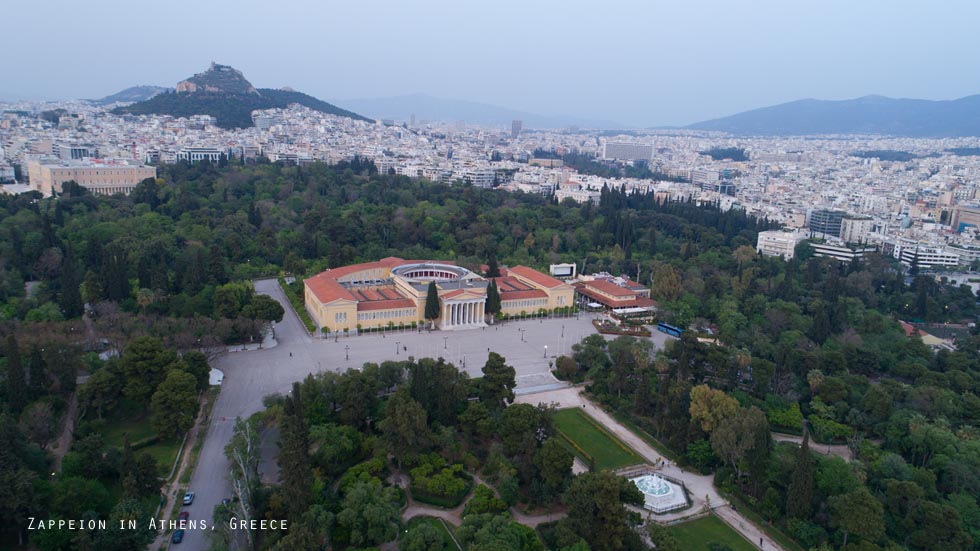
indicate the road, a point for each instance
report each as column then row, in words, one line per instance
column 252, row 375
column 701, row 488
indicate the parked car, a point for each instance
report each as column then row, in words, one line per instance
column 188, row 498
column 178, row 536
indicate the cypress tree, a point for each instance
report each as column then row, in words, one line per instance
column 71, row 296
column 16, row 382
column 294, row 457
column 493, row 269
column 493, row 298
column 432, row 302
column 37, row 374
column 799, row 495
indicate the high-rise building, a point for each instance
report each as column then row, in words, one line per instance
column 826, row 221
column 515, row 128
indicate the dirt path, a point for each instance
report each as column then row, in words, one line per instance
column 59, row 447
column 171, row 490
column 839, row 450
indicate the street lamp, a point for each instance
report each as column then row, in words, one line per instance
column 546, row 351
column 397, row 343
column 347, row 351
column 445, row 340
column 563, row 331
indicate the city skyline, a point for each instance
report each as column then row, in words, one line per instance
column 650, row 64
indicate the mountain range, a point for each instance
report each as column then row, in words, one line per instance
column 865, row 115
column 429, row 108
column 224, row 93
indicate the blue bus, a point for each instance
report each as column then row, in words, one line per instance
column 671, row 330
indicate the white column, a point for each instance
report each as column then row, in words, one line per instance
column 455, row 314
column 468, row 305
column 452, row 313
column 472, row 312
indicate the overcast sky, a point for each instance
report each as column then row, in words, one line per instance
column 640, row 62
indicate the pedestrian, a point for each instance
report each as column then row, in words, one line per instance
column 290, row 354
column 760, row 542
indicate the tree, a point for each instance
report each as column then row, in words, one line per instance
column 662, row 538
column 37, row 372
column 432, row 303
column 735, row 438
column 799, row 495
column 37, row 421
column 264, row 307
column 498, row 382
column 857, row 513
column 243, row 452
column 404, row 429
column 102, row 390
column 196, row 363
column 666, row 283
column 709, row 407
column 174, row 404
column 294, row 455
column 595, row 510
column 493, row 269
column 493, row 298
column 16, row 381
column 422, row 537
column 554, row 464
column 144, row 364
column 70, row 300
column 370, row 513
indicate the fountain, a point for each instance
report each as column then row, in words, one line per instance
column 659, row 494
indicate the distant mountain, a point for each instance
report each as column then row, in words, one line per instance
column 428, row 108
column 866, row 115
column 225, row 94
column 133, row 94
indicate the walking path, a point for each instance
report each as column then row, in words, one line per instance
column 700, row 488
column 839, row 450
column 59, row 447
column 170, row 492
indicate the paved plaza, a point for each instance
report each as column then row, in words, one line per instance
column 249, row 376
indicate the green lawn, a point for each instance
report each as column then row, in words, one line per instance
column 448, row 544
column 588, row 440
column 137, row 426
column 698, row 534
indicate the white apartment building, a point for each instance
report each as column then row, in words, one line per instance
column 856, row 229
column 927, row 257
column 778, row 243
column 622, row 151
column 839, row 251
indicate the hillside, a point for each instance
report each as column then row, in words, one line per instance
column 866, row 115
column 225, row 94
column 132, row 94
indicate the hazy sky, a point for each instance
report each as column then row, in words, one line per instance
column 642, row 62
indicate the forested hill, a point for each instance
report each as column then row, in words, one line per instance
column 230, row 110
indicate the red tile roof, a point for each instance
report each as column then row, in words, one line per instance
column 609, row 288
column 519, row 295
column 536, row 276
column 385, row 304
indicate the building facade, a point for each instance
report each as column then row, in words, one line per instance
column 778, row 243
column 104, row 177
column 392, row 293
column 827, row 222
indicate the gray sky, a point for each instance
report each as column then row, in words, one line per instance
column 640, row 62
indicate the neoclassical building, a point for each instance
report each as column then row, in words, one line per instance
column 392, row 292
